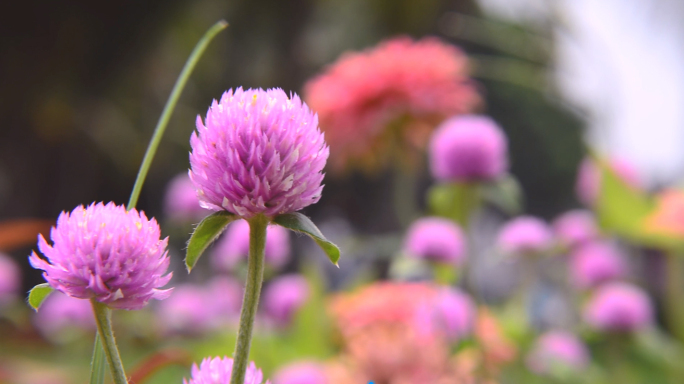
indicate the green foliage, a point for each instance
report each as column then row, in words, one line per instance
column 455, row 201
column 38, row 294
column 207, row 231
column 302, row 224
column 504, row 193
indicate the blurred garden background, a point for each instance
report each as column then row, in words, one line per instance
column 599, row 83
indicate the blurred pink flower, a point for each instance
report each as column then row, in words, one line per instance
column 557, row 350
column 60, row 311
column 185, row 311
column 525, row 235
column 436, row 239
column 361, row 96
column 595, row 263
column 283, row 296
column 233, row 247
column 468, row 148
column 218, row 371
column 589, row 178
column 453, row 313
column 10, row 279
column 301, row 373
column 575, row 227
column 180, row 201
column 619, row 307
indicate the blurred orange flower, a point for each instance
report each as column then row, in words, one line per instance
column 668, row 217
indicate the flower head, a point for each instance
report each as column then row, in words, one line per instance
column 596, row 263
column 10, row 279
column 258, row 152
column 284, row 296
column 106, row 253
column 436, row 239
column 588, row 184
column 301, row 373
column 181, row 203
column 60, row 311
column 234, row 246
column 619, row 307
column 468, row 148
column 557, row 349
column 218, row 371
column 525, row 234
column 400, row 89
column 575, row 227
column 454, row 313
column 186, row 310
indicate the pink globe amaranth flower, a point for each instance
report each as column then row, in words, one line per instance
column 10, row 279
column 596, row 263
column 225, row 299
column 575, row 227
column 436, row 239
column 234, row 246
column 525, row 235
column 181, row 203
column 301, row 373
column 468, row 148
column 454, row 313
column 187, row 310
column 589, row 178
column 258, row 152
column 106, row 253
column 60, row 311
column 361, row 98
column 557, row 349
column 218, row 371
column 619, row 307
column 284, row 296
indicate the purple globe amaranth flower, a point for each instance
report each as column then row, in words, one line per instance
column 468, row 148
column 619, row 307
column 234, row 246
column 224, row 295
column 588, row 184
column 301, row 373
column 595, row 263
column 60, row 311
column 453, row 313
column 525, row 235
column 575, row 227
column 106, row 253
column 557, row 349
column 185, row 311
column 284, row 296
column 181, row 203
column 436, row 239
column 258, row 152
column 10, row 279
column 218, row 371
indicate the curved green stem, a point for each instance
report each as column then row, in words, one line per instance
column 98, row 365
column 103, row 318
column 170, row 106
column 250, row 302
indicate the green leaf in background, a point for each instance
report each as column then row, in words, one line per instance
column 302, row 224
column 504, row 193
column 38, row 294
column 455, row 201
column 98, row 365
column 206, row 232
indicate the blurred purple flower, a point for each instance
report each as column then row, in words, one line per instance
column 258, row 152
column 557, row 349
column 301, row 373
column 233, row 247
column 453, row 313
column 218, row 371
column 187, row 310
column 224, row 296
column 619, row 307
column 595, row 263
column 181, row 203
column 525, row 235
column 107, row 253
column 60, row 311
column 10, row 279
column 589, row 178
column 436, row 239
column 575, row 227
column 468, row 148
column 284, row 296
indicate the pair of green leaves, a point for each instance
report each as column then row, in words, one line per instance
column 213, row 225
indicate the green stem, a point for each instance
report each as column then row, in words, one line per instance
column 170, row 106
column 103, row 318
column 255, row 276
column 674, row 290
column 98, row 365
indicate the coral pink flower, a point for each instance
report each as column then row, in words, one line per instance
column 588, row 184
column 668, row 217
column 218, row 371
column 400, row 84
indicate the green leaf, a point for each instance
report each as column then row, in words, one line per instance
column 300, row 223
column 206, row 232
column 98, row 365
column 504, row 193
column 455, row 201
column 38, row 294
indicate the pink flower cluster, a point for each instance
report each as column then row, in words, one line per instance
column 218, row 371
